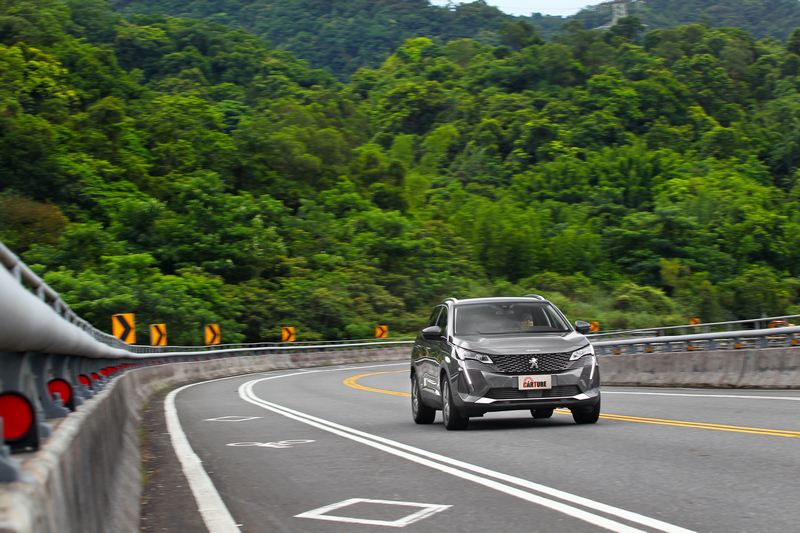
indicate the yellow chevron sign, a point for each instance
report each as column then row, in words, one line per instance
column 158, row 334
column 123, row 327
column 213, row 334
column 287, row 334
column 381, row 332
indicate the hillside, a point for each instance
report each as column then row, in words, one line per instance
column 193, row 174
column 340, row 36
column 759, row 18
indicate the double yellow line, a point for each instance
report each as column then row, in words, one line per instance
column 353, row 382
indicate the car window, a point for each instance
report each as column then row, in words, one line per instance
column 504, row 318
column 442, row 322
column 434, row 316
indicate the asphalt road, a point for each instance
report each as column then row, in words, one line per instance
column 334, row 449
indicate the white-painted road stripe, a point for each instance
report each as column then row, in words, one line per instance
column 690, row 395
column 429, row 459
column 213, row 510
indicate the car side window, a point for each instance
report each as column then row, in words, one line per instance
column 432, row 319
column 442, row 322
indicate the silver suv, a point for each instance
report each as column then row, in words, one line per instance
column 500, row 354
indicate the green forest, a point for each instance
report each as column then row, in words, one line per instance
column 192, row 173
column 342, row 36
column 760, row 18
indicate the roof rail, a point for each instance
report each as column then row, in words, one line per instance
column 537, row 296
column 454, row 300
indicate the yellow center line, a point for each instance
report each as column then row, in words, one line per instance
column 352, row 382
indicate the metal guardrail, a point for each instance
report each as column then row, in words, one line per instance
column 707, row 327
column 725, row 340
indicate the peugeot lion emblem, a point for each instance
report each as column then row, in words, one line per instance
column 534, row 363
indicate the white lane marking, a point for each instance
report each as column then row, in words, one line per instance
column 209, row 502
column 690, row 395
column 231, row 418
column 427, row 509
column 213, row 510
column 418, row 455
column 281, row 444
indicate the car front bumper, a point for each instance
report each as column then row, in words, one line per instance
column 481, row 390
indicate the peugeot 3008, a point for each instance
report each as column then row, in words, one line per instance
column 500, row 354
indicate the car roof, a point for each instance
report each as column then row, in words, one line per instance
column 499, row 299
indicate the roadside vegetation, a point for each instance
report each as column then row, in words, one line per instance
column 193, row 174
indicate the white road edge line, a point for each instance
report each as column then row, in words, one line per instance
column 416, row 455
column 213, row 510
column 739, row 396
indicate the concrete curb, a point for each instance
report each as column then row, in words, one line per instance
column 86, row 478
column 773, row 368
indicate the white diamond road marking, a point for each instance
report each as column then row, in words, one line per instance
column 280, row 444
column 232, row 418
column 426, row 510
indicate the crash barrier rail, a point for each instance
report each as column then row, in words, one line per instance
column 52, row 360
column 707, row 327
column 723, row 340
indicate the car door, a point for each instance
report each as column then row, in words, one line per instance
column 439, row 350
column 425, row 362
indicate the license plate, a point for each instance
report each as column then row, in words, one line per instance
column 535, row 382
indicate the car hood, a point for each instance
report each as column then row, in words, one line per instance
column 516, row 344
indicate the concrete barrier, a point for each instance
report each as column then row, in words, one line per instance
column 86, row 478
column 774, row 368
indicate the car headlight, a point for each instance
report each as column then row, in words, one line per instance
column 586, row 350
column 462, row 354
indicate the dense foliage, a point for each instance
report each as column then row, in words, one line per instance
column 760, row 18
column 340, row 36
column 192, row 174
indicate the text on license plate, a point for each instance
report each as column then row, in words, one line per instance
column 535, row 382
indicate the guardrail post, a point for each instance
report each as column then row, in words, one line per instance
column 41, row 366
column 9, row 468
column 763, row 342
column 61, row 369
column 17, row 376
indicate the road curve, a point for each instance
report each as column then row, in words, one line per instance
column 334, row 449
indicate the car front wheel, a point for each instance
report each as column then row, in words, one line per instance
column 422, row 413
column 589, row 417
column 453, row 419
column 542, row 413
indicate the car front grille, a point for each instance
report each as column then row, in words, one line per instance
column 514, row 394
column 522, row 363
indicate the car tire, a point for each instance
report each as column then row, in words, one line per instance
column 542, row 413
column 589, row 417
column 453, row 419
column 422, row 414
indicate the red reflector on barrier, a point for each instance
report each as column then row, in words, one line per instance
column 18, row 415
column 95, row 376
column 104, row 371
column 85, row 380
column 62, row 387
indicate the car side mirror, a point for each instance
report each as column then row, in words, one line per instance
column 582, row 327
column 432, row 332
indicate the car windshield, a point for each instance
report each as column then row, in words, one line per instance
column 508, row 317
